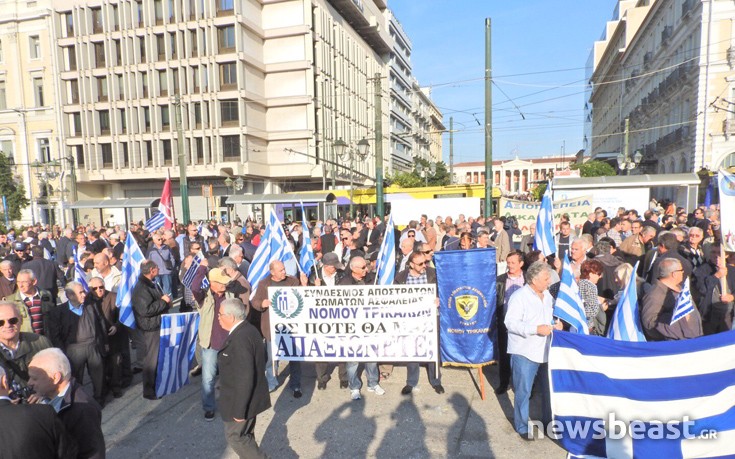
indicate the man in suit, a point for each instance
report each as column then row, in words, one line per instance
column 30, row 430
column 63, row 247
column 372, row 238
column 243, row 387
column 236, row 253
column 224, row 244
column 47, row 273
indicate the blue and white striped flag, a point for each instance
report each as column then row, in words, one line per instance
column 176, row 351
column 626, row 320
column 684, row 303
column 131, row 261
column 273, row 246
column 569, row 306
column 155, row 222
column 306, row 254
column 79, row 274
column 644, row 400
column 544, row 239
column 386, row 263
column 188, row 278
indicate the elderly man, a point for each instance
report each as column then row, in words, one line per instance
column 406, row 247
column 692, row 248
column 17, row 348
column 63, row 247
column 529, row 321
column 501, row 241
column 658, row 306
column 262, row 303
column 46, row 272
column 161, row 254
column 527, row 240
column 7, row 280
column 109, row 274
column 79, row 330
column 117, row 334
column 33, row 304
column 52, row 381
column 634, row 247
column 578, row 254
column 238, row 256
column 667, row 247
column 149, row 303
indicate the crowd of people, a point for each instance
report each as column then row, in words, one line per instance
column 55, row 330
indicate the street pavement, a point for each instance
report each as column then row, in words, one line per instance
column 327, row 424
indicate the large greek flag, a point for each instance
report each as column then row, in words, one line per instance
column 273, row 246
column 569, row 306
column 131, row 261
column 386, row 263
column 668, row 399
column 176, row 351
column 156, row 222
column 726, row 187
column 306, row 254
column 79, row 274
column 544, row 239
column 684, row 304
column 188, row 278
column 626, row 320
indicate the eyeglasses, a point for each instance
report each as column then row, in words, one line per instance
column 428, row 252
column 101, row 287
column 11, row 321
column 420, row 264
column 360, row 267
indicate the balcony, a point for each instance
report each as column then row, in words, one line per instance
column 647, row 59
column 666, row 34
column 686, row 9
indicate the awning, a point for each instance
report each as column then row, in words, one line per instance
column 626, row 181
column 123, row 203
column 282, row 198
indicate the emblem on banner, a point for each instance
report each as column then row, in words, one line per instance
column 466, row 306
column 287, row 303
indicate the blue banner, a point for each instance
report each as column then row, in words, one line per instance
column 467, row 325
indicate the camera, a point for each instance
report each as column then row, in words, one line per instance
column 20, row 392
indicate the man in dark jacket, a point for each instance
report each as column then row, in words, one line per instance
column 149, row 303
column 243, row 387
column 47, row 273
column 23, row 346
column 50, row 378
column 505, row 285
column 117, row 334
column 63, row 247
column 79, row 330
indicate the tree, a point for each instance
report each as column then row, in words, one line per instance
column 594, row 169
column 12, row 189
column 414, row 180
column 538, row 191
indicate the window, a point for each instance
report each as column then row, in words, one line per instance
column 35, row 44
column 149, row 153
column 102, row 94
column 106, row 155
column 167, row 161
column 192, row 9
column 120, row 87
column 231, row 147
column 1, row 50
column 226, row 38
column 228, row 75
column 38, row 91
column 171, row 18
column 44, row 151
column 165, row 117
column 160, row 47
column 144, row 84
column 225, row 7
column 158, row 11
column 146, row 119
column 195, row 78
column 69, row 21
column 140, row 12
column 162, row 83
column 118, row 52
column 197, row 114
column 115, row 18
column 123, row 121
column 199, row 144
column 96, row 20
column 104, row 116
column 76, row 120
column 3, row 100
column 6, row 148
column 99, row 55
column 229, row 112
column 141, row 47
column 125, row 155
column 175, row 81
column 71, row 53
column 194, row 44
column 173, row 45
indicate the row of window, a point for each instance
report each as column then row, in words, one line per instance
column 34, row 48
column 39, row 99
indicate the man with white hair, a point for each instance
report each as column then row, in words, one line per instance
column 51, row 379
column 64, row 247
column 109, row 274
column 33, row 303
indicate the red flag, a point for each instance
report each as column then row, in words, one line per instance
column 166, row 205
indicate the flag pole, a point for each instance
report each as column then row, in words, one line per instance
column 723, row 280
column 173, row 209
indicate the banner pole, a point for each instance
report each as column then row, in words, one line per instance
column 482, row 382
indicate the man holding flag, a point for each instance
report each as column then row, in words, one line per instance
column 165, row 216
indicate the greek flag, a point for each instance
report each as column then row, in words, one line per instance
column 386, row 263
column 684, row 303
column 273, row 246
column 131, row 261
column 155, row 222
column 176, row 351
column 569, row 306
column 626, row 320
column 306, row 254
column 79, row 274
column 188, row 278
column 668, row 399
column 544, row 239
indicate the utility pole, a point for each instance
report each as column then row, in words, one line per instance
column 625, row 144
column 183, row 184
column 488, row 120
column 378, row 144
column 451, row 150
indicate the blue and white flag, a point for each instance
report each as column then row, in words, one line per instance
column 131, row 261
column 306, row 254
column 544, row 239
column 273, row 246
column 668, row 399
column 156, row 222
column 726, row 187
column 79, row 274
column 386, row 263
column 569, row 306
column 176, row 351
column 188, row 278
column 684, row 303
column 626, row 320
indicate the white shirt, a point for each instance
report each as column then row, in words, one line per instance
column 526, row 311
column 329, row 280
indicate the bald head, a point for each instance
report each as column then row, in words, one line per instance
column 102, row 263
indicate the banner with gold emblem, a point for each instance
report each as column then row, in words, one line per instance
column 467, row 328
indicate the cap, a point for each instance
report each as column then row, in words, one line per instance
column 218, row 275
column 331, row 259
column 20, row 246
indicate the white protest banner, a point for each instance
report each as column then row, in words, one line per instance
column 354, row 323
column 527, row 211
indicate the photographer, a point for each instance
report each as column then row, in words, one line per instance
column 17, row 348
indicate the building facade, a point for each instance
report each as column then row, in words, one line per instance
column 666, row 67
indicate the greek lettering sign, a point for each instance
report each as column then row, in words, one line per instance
column 527, row 211
column 360, row 323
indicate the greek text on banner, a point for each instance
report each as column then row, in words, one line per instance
column 359, row 323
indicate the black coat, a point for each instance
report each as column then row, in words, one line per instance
column 82, row 418
column 33, row 431
column 62, row 327
column 243, row 387
column 148, row 305
column 47, row 274
column 403, row 275
column 63, row 250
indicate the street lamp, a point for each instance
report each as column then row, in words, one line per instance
column 625, row 163
column 425, row 173
column 344, row 151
